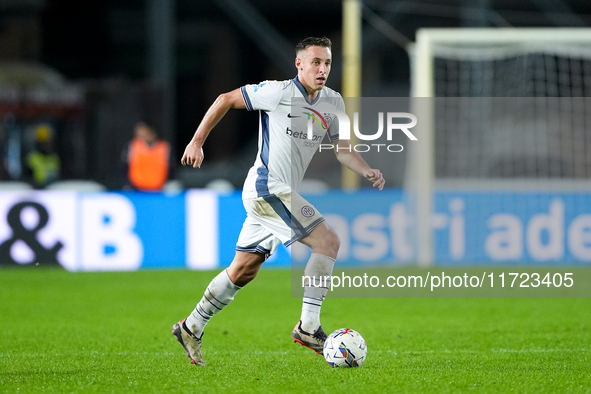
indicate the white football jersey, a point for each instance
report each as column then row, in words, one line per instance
column 285, row 151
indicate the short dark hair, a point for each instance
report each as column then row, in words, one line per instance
column 313, row 41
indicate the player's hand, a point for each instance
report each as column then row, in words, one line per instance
column 375, row 176
column 193, row 155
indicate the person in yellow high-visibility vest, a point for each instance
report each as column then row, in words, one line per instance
column 147, row 159
column 43, row 163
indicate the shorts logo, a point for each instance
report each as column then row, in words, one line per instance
column 308, row 211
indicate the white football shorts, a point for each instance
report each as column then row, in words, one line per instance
column 285, row 217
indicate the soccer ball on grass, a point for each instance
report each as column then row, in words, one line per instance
column 345, row 348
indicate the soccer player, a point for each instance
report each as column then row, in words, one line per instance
column 275, row 211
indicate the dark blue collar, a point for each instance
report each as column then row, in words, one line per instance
column 303, row 90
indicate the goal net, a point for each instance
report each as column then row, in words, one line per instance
column 500, row 110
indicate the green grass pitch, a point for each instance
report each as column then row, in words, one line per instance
column 111, row 333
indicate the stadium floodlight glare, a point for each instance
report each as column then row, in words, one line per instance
column 552, row 63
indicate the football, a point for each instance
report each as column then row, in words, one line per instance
column 345, row 348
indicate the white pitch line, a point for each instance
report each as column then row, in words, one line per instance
column 445, row 351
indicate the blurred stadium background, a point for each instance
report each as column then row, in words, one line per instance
column 91, row 70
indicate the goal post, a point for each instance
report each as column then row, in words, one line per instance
column 489, row 64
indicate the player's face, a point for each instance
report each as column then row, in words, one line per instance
column 313, row 65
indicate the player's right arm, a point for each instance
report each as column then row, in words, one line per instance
column 193, row 155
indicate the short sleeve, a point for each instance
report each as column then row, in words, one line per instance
column 265, row 96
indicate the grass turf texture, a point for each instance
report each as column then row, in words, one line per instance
column 110, row 332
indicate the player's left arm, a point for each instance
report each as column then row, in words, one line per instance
column 348, row 157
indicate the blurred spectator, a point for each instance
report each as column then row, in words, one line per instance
column 4, row 175
column 147, row 159
column 42, row 163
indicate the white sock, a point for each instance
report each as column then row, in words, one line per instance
column 217, row 296
column 319, row 270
